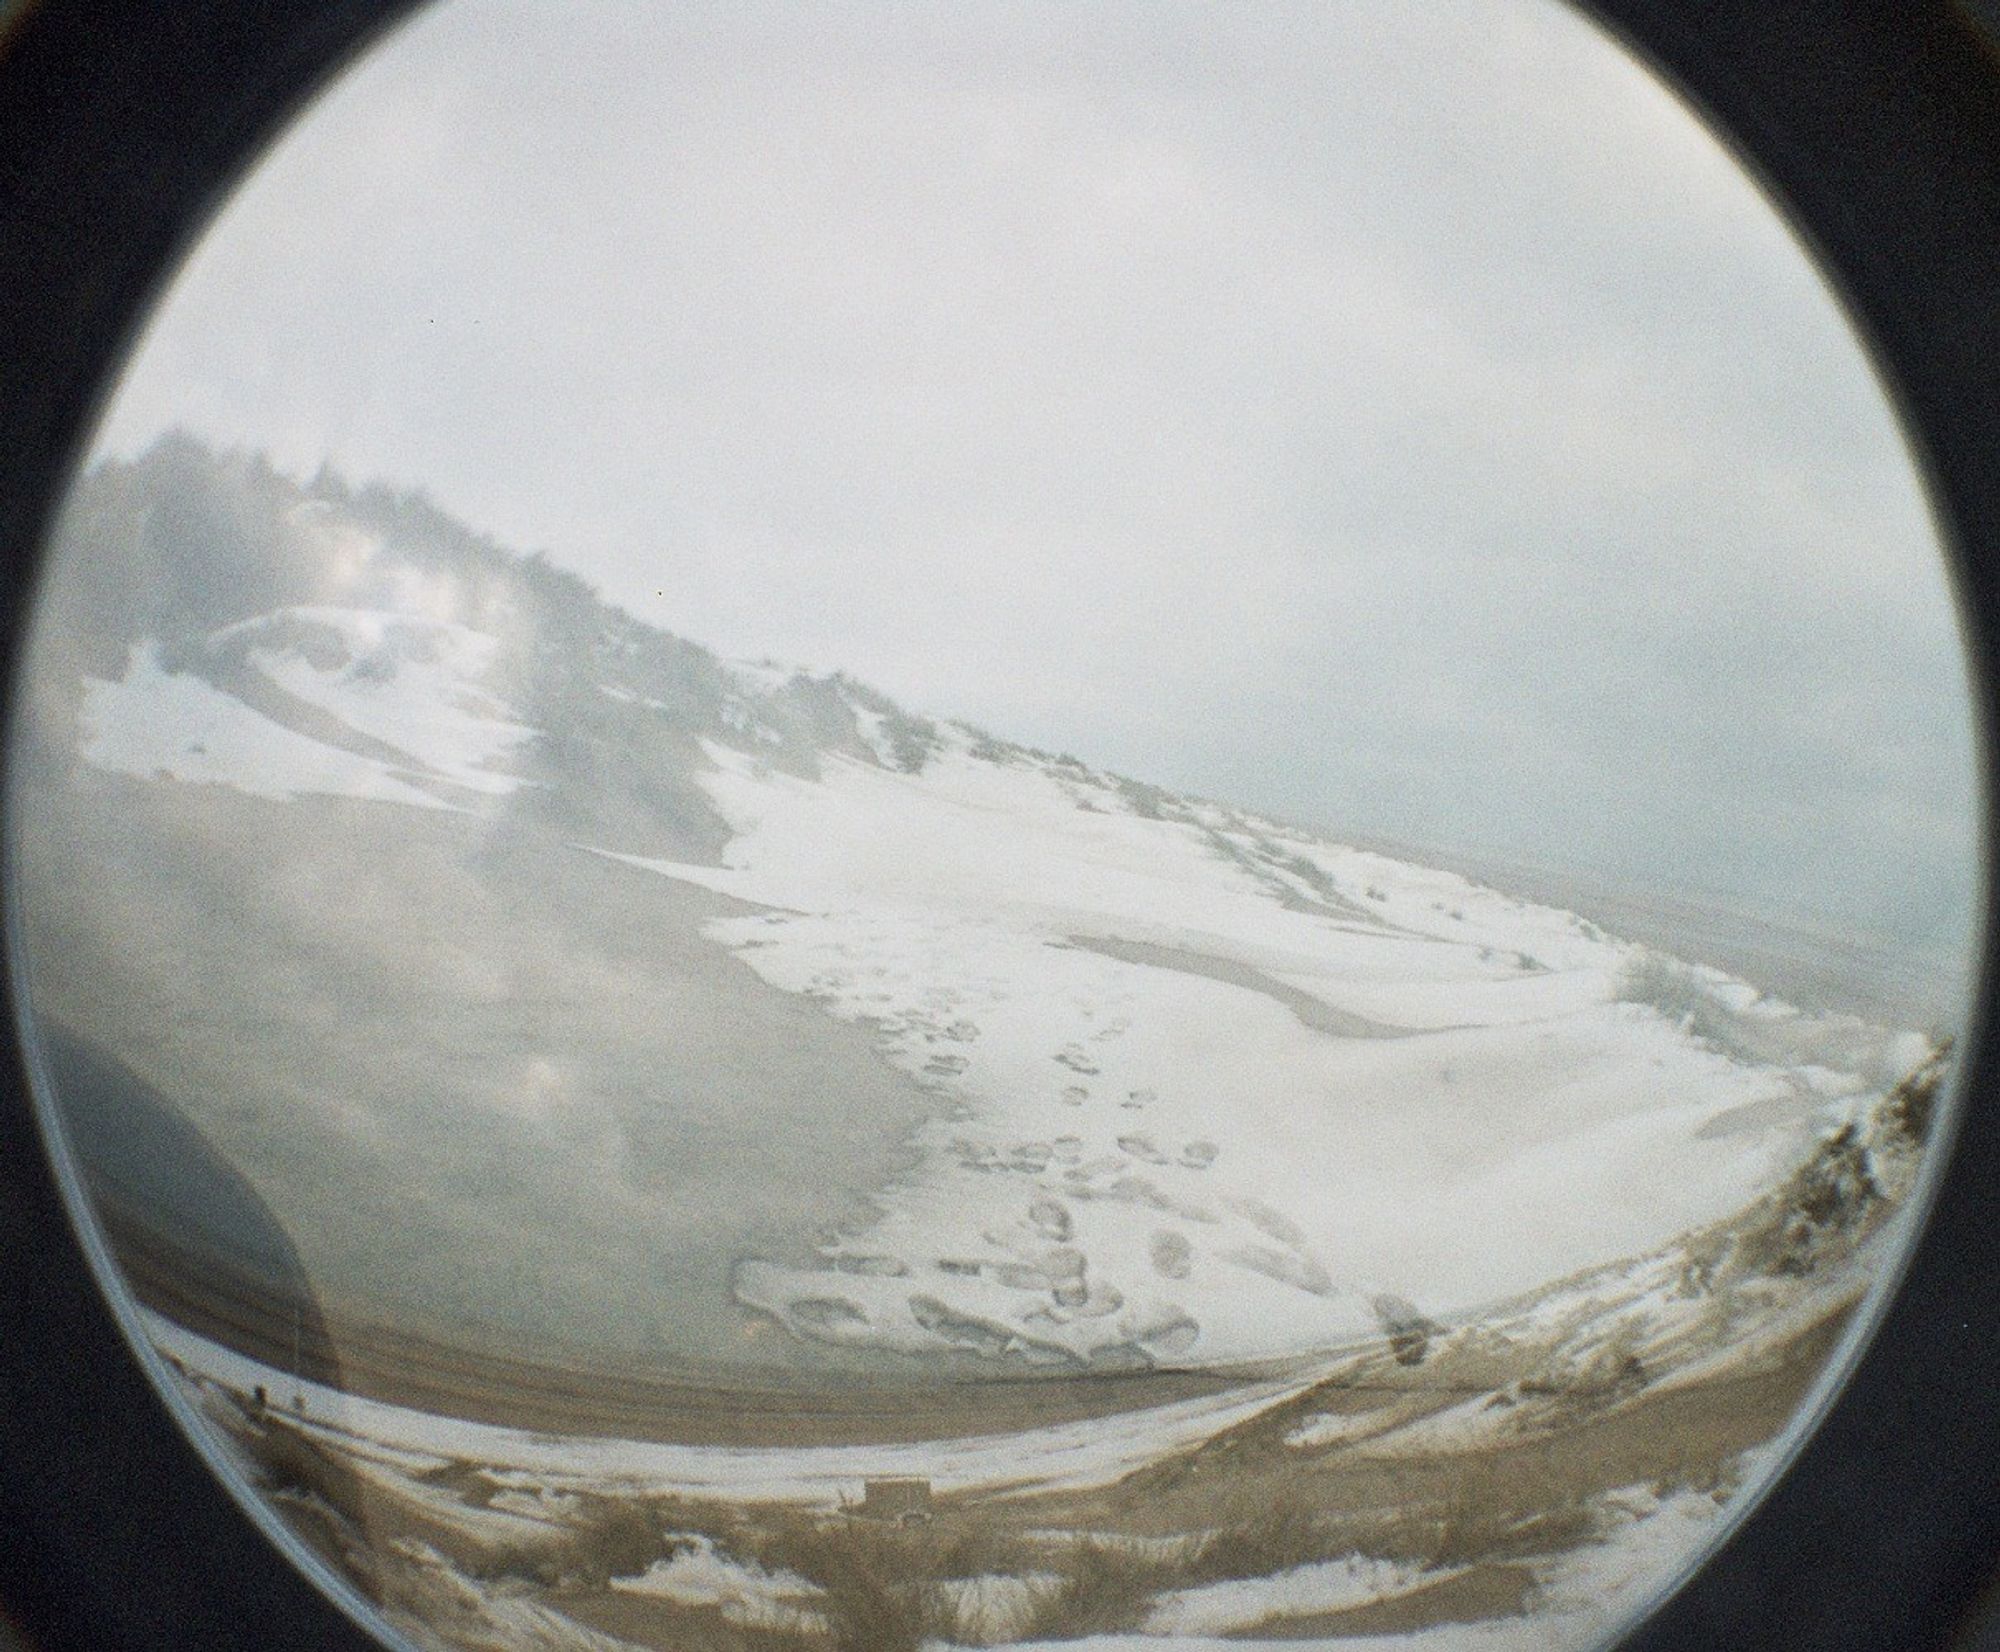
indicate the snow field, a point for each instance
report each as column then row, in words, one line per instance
column 1326, row 1586
column 701, row 1575
column 1159, row 1152
column 409, row 683
column 153, row 722
column 1208, row 1086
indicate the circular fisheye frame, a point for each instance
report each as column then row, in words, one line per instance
column 1092, row 827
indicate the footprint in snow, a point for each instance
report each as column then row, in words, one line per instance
column 1141, row 1147
column 1199, row 1155
column 949, row 1066
column 983, row 1336
column 1275, row 1223
column 971, row 1154
column 1111, row 1029
column 1076, row 1060
column 1065, row 1262
column 1174, row 1333
column 1172, row 1255
column 827, row 1314
column 1051, row 1219
column 872, row 1267
column 963, row 1032
column 1088, row 1300
column 1139, row 1098
column 1302, row 1273
column 1075, row 1095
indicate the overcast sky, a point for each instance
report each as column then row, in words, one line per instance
column 1402, row 417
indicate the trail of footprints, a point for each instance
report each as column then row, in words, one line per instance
column 1040, row 1258
column 1033, row 1157
column 1044, row 1262
column 1038, row 1254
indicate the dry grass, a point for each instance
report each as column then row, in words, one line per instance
column 886, row 1588
column 326, row 1504
column 1246, row 1505
column 882, row 1583
column 1106, row 1586
column 1912, row 1104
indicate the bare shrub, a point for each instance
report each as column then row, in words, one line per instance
column 1912, row 1104
column 1408, row 1330
column 1106, row 1587
column 1818, row 1209
column 1478, row 1356
column 1594, row 1373
column 618, row 1537
column 291, row 1463
column 881, row 1582
column 1675, row 991
column 976, row 1547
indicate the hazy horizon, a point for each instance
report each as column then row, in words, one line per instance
column 1404, row 446
column 1920, row 976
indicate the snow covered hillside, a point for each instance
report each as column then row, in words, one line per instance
column 1208, row 1088
column 1225, row 1090
column 338, row 701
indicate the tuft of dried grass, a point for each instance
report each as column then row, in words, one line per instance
column 1106, row 1587
column 881, row 1583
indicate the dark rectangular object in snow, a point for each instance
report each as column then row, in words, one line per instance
column 895, row 1498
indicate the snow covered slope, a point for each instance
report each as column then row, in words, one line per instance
column 1224, row 1090
column 353, row 703
column 1208, row 1088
